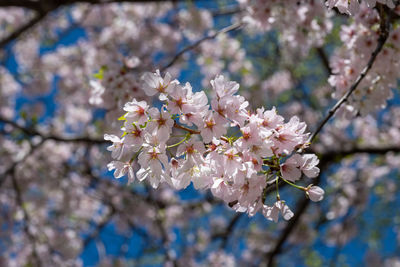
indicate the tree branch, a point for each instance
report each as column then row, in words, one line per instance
column 12, row 168
column 94, row 235
column 33, row 132
column 332, row 155
column 384, row 33
column 38, row 5
column 27, row 219
column 228, row 231
column 164, row 235
column 198, row 42
column 300, row 209
column 324, row 59
column 227, row 11
column 325, row 159
column 69, row 2
column 34, row 5
column 21, row 30
column 43, row 7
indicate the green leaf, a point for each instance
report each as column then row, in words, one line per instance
column 122, row 118
column 100, row 74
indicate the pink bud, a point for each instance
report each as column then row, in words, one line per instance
column 315, row 193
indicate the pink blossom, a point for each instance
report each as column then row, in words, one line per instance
column 136, row 112
column 309, row 165
column 212, row 127
column 290, row 169
column 315, row 193
column 117, row 148
column 161, row 123
column 153, row 83
column 223, row 88
column 121, row 169
column 134, row 136
column 272, row 213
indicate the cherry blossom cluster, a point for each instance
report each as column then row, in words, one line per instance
column 226, row 148
column 12, row 18
column 56, row 199
column 194, row 21
column 301, row 24
column 122, row 79
column 360, row 40
column 8, row 88
column 110, row 31
column 351, row 7
column 225, row 53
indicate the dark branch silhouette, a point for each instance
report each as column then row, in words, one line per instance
column 21, row 30
column 384, row 33
column 192, row 46
column 324, row 59
column 33, row 132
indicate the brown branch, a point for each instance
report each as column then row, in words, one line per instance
column 384, row 33
column 21, row 30
column 300, row 209
column 69, row 2
column 34, row 132
column 34, row 5
column 331, row 156
column 227, row 11
column 191, row 131
column 20, row 202
column 44, row 7
column 228, row 231
column 163, row 232
column 95, row 234
column 114, row 209
column 325, row 159
column 12, row 168
column 39, row 5
column 198, row 42
column 324, row 59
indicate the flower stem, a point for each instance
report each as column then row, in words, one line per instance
column 278, row 197
column 292, row 184
column 180, row 142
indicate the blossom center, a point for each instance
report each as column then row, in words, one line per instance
column 161, row 121
column 210, row 124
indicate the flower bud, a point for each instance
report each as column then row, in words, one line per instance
column 315, row 193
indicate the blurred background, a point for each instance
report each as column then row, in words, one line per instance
column 66, row 69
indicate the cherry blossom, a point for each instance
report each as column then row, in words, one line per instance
column 231, row 166
column 250, row 134
column 315, row 193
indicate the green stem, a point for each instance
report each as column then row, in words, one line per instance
column 180, row 142
column 278, row 197
column 292, row 184
column 136, row 155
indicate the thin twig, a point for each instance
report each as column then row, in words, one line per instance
column 159, row 220
column 38, row 5
column 12, row 168
column 95, row 234
column 330, row 156
column 198, row 42
column 381, row 41
column 191, row 131
column 228, row 231
column 21, row 30
column 34, row 132
column 34, row 5
column 301, row 207
column 324, row 58
column 227, row 11
column 27, row 219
